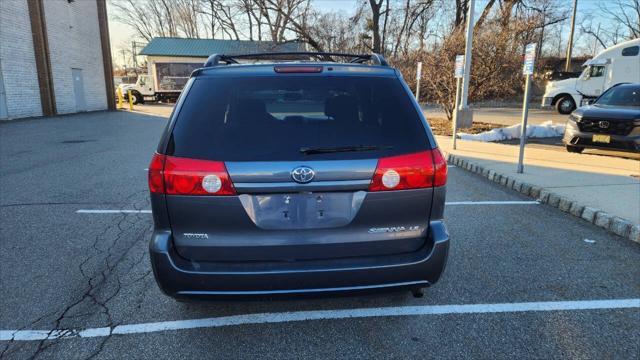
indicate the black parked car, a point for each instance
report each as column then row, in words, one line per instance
column 611, row 122
column 298, row 177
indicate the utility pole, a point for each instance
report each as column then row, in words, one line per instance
column 595, row 40
column 466, row 114
column 124, row 60
column 134, row 53
column 567, row 65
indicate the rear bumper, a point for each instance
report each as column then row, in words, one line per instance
column 573, row 136
column 180, row 278
column 547, row 102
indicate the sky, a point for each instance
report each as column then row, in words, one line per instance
column 122, row 35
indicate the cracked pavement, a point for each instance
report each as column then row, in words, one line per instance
column 61, row 271
column 77, row 265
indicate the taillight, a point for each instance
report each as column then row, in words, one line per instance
column 411, row 171
column 156, row 181
column 182, row 176
column 440, row 178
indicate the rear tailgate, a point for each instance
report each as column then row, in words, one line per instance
column 262, row 132
column 278, row 219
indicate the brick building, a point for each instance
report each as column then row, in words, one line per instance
column 54, row 57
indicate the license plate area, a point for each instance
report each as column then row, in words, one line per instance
column 598, row 138
column 308, row 210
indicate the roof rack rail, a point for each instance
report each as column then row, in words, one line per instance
column 218, row 59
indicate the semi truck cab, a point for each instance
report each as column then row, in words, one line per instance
column 615, row 65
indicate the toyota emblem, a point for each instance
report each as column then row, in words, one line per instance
column 302, row 174
column 603, row 124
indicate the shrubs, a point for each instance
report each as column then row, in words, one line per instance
column 496, row 71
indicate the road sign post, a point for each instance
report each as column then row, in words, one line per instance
column 458, row 74
column 529, row 63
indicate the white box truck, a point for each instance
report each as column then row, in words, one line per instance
column 164, row 81
column 615, row 65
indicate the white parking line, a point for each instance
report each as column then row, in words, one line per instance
column 492, row 203
column 84, row 211
column 271, row 318
column 453, row 203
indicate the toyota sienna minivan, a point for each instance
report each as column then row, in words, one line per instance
column 298, row 177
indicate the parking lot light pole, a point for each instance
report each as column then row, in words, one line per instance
column 467, row 56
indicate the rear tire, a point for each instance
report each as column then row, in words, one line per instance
column 565, row 105
column 417, row 293
column 575, row 149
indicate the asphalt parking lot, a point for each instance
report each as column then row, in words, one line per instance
column 523, row 280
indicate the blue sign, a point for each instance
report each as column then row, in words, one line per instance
column 459, row 71
column 529, row 59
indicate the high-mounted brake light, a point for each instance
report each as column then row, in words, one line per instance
column 297, row 69
column 181, row 176
column 411, row 171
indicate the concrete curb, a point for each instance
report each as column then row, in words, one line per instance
column 614, row 224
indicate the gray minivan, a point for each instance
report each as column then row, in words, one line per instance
column 297, row 177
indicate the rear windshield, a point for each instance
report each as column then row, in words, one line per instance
column 284, row 118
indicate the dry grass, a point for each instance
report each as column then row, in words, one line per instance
column 442, row 126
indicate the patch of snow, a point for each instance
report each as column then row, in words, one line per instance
column 546, row 129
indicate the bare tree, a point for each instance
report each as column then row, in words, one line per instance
column 187, row 13
column 335, row 32
column 462, row 7
column 374, row 23
column 135, row 14
column 150, row 18
column 622, row 22
column 405, row 31
column 413, row 15
column 625, row 13
column 485, row 13
column 280, row 16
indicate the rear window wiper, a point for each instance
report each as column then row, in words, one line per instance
column 324, row 150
